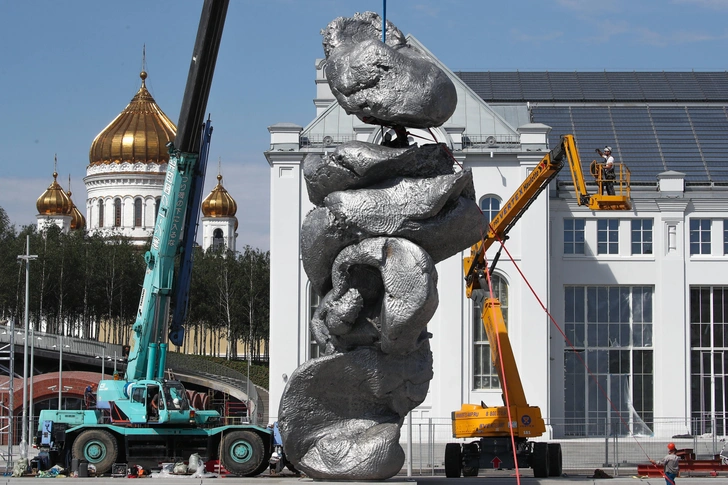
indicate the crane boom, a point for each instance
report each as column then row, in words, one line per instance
column 174, row 230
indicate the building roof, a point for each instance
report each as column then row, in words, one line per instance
column 655, row 121
column 645, row 87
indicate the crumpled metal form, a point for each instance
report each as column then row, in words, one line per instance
column 344, row 412
column 388, row 83
column 383, row 218
column 437, row 213
column 357, row 164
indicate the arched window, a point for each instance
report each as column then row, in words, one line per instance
column 156, row 208
column 218, row 240
column 314, row 301
column 117, row 212
column 484, row 375
column 137, row 212
column 101, row 212
column 490, row 205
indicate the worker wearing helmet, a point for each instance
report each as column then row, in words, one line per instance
column 671, row 463
column 608, row 174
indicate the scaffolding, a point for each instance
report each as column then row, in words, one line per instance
column 7, row 400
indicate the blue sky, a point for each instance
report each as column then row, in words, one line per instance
column 70, row 67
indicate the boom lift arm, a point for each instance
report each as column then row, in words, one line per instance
column 491, row 425
column 535, row 183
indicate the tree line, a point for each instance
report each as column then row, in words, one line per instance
column 89, row 285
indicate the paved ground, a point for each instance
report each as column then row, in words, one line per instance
column 290, row 480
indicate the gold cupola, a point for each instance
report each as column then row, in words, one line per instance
column 54, row 201
column 78, row 221
column 138, row 135
column 219, row 203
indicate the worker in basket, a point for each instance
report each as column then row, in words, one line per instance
column 608, row 175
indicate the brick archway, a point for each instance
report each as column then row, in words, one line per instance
column 45, row 386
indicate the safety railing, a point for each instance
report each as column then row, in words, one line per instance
column 621, row 181
column 604, row 448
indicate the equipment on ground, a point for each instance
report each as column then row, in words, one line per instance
column 494, row 447
column 145, row 418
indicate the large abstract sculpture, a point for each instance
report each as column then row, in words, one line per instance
column 384, row 216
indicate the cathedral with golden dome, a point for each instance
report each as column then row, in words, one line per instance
column 56, row 208
column 124, row 178
column 218, row 218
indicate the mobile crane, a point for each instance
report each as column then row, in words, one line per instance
column 490, row 425
column 145, row 418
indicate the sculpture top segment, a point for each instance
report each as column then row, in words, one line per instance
column 385, row 84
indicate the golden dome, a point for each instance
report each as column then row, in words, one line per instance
column 54, row 200
column 139, row 134
column 219, row 203
column 77, row 219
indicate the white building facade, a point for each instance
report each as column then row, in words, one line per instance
column 636, row 296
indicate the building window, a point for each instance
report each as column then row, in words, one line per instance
column 484, row 374
column 101, row 213
column 709, row 359
column 314, row 302
column 117, row 212
column 218, row 241
column 699, row 236
column 608, row 236
column 137, row 212
column 156, row 208
column 609, row 329
column 574, row 236
column 490, row 206
column 641, row 236
column 725, row 236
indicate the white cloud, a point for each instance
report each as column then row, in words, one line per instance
column 678, row 37
column 591, row 7
column 249, row 185
column 709, row 4
column 18, row 197
column 520, row 36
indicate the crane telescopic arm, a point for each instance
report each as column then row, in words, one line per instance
column 174, row 230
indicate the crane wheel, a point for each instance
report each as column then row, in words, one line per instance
column 555, row 460
column 242, row 453
column 453, row 460
column 97, row 447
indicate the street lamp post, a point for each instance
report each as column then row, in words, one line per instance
column 250, row 336
column 27, row 257
column 60, row 371
column 31, row 418
column 103, row 360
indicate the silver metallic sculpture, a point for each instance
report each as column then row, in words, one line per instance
column 384, row 216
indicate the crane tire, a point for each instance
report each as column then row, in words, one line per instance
column 242, row 453
column 98, row 447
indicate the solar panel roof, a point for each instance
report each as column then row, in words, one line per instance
column 598, row 86
column 654, row 121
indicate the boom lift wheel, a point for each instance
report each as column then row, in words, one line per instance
column 555, row 462
column 471, row 460
column 453, row 460
column 540, row 460
column 98, row 447
column 242, row 453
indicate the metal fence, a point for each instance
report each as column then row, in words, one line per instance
column 609, row 450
